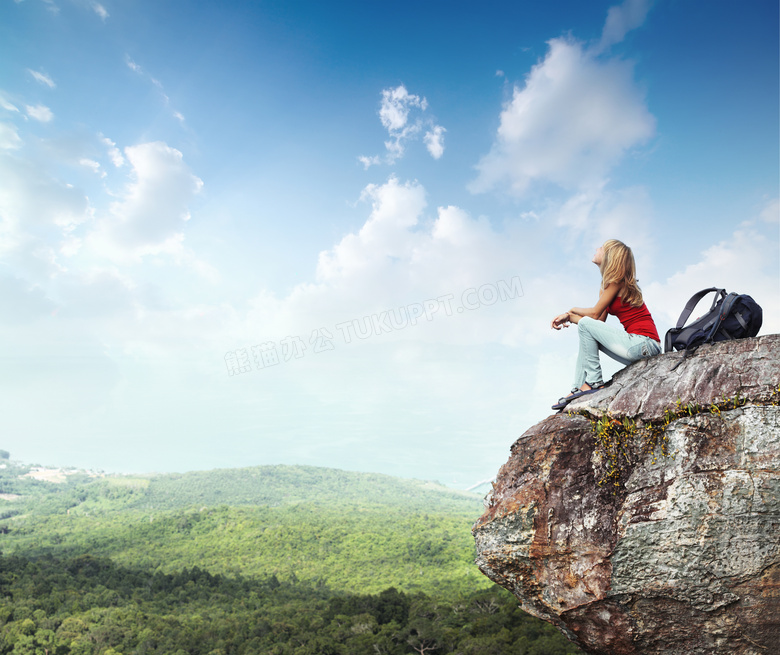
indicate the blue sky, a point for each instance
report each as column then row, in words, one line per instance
column 335, row 234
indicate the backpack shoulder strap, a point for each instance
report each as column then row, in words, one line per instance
column 724, row 312
column 689, row 306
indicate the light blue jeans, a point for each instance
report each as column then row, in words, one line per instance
column 597, row 336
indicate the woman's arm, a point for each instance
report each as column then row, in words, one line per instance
column 598, row 311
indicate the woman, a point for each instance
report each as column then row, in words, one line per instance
column 619, row 295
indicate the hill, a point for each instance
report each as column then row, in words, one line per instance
column 349, row 531
column 268, row 486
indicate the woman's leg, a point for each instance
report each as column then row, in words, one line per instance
column 597, row 336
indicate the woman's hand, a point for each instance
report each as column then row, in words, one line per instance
column 562, row 320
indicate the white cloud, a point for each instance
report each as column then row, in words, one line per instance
column 42, row 78
column 396, row 103
column 9, row 137
column 113, row 152
column 136, row 68
column 49, row 230
column 575, row 118
column 434, row 141
column 368, row 162
column 396, row 207
column 597, row 213
column 92, row 165
column 149, row 217
column 394, row 113
column 401, row 256
column 39, row 113
column 771, row 213
column 133, row 66
column 621, row 19
column 8, row 106
column 100, row 10
column 396, row 145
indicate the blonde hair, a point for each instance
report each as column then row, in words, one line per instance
column 617, row 265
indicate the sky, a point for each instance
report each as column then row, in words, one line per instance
column 335, row 234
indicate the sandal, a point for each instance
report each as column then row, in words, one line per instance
column 562, row 402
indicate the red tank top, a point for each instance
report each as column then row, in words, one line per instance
column 635, row 320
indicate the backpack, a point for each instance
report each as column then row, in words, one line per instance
column 732, row 316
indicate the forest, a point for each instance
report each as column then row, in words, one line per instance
column 277, row 560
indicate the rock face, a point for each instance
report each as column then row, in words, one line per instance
column 630, row 550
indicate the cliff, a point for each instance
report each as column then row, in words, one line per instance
column 646, row 517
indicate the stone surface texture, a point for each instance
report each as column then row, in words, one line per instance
column 683, row 557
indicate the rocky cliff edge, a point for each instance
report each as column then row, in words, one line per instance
column 646, row 517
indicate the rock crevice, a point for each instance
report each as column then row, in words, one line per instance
column 670, row 541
